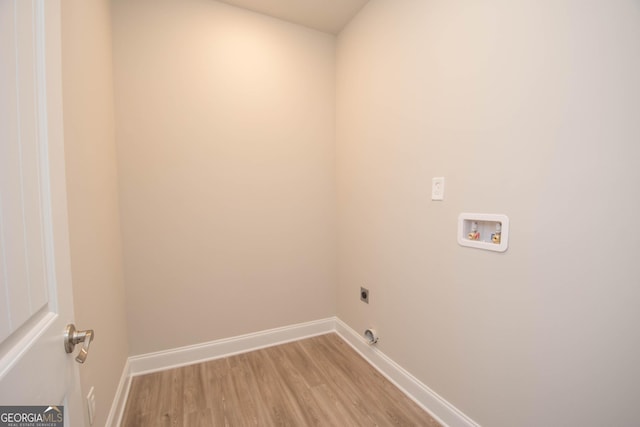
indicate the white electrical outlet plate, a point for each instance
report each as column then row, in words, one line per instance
column 437, row 188
column 91, row 404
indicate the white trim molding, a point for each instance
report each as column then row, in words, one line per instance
column 120, row 399
column 447, row 414
column 182, row 356
column 444, row 412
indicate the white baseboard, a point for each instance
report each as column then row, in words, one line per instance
column 447, row 414
column 120, row 400
column 444, row 412
column 168, row 359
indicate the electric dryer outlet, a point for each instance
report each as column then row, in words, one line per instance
column 364, row 295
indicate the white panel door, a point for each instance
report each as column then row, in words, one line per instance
column 35, row 278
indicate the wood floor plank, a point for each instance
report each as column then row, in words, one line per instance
column 374, row 395
column 320, row 381
column 214, row 376
column 282, row 403
column 246, row 406
column 340, row 376
column 292, row 376
column 170, row 403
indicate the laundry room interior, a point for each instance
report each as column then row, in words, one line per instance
column 237, row 176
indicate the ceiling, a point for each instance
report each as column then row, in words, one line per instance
column 329, row 16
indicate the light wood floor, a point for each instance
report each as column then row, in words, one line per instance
column 319, row 381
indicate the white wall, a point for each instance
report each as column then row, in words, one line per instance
column 92, row 193
column 225, row 131
column 530, row 109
